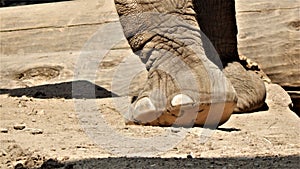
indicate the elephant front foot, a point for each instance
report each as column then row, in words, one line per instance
column 180, row 98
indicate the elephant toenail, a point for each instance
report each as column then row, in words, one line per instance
column 181, row 99
column 145, row 111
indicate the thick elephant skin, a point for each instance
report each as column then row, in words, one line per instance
column 191, row 79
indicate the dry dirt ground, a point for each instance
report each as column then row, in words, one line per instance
column 40, row 130
column 44, row 125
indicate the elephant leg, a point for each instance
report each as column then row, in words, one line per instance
column 185, row 85
column 217, row 20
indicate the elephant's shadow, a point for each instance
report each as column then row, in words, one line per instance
column 289, row 161
column 7, row 3
column 80, row 89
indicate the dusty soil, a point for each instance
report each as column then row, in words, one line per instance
column 41, row 130
column 44, row 125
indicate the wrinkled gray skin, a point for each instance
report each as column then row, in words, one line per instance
column 190, row 51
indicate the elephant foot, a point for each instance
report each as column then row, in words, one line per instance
column 180, row 97
column 165, row 102
column 249, row 86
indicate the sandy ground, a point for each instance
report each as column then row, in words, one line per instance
column 44, row 125
column 49, row 132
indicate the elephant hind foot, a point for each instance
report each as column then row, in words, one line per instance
column 250, row 88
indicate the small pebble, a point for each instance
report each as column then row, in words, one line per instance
column 175, row 130
column 19, row 166
column 189, row 156
column 33, row 120
column 33, row 112
column 3, row 153
column 34, row 131
column 4, row 130
column 65, row 158
column 19, row 126
column 71, row 116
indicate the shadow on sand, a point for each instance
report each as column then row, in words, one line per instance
column 176, row 163
column 68, row 90
column 7, row 3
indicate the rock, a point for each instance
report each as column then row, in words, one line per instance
column 19, row 126
column 175, row 130
column 3, row 153
column 280, row 58
column 34, row 112
column 4, row 130
column 71, row 116
column 20, row 166
column 65, row 158
column 190, row 156
column 34, row 131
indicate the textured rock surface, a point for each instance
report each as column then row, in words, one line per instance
column 43, row 36
column 269, row 33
